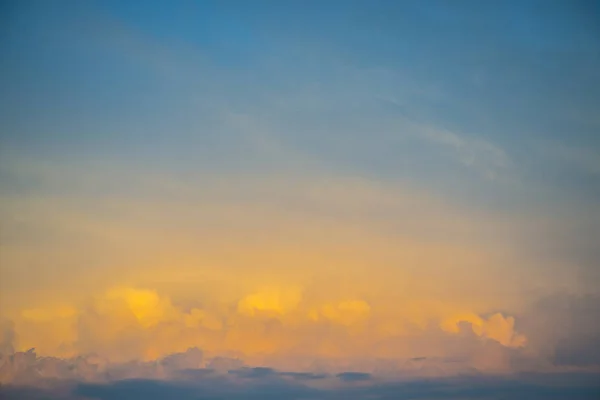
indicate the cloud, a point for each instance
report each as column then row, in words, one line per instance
column 274, row 272
column 254, row 373
column 526, row 387
column 564, row 329
column 128, row 324
column 224, row 364
column 353, row 376
column 190, row 374
column 488, row 158
column 191, row 359
column 496, row 327
column 7, row 336
column 346, row 312
column 303, row 375
column 279, row 301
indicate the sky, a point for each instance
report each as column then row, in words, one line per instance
column 300, row 195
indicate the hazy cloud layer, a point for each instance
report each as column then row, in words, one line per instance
column 159, row 381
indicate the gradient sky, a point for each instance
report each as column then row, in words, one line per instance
column 283, row 182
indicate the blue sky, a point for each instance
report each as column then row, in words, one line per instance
column 518, row 78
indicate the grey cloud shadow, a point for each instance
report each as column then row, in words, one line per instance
column 211, row 389
column 353, row 376
column 303, row 376
column 573, row 386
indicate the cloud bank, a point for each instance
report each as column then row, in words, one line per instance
column 182, row 376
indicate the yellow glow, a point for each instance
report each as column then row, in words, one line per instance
column 451, row 324
column 146, row 305
column 290, row 318
column 49, row 314
column 345, row 312
column 51, row 330
column 279, row 301
column 198, row 317
column 262, row 279
column 496, row 327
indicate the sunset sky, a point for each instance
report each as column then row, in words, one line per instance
column 316, row 186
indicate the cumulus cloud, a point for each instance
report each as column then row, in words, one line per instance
column 477, row 348
column 496, row 327
column 141, row 332
column 347, row 312
column 317, row 295
column 279, row 301
column 267, row 326
column 135, row 332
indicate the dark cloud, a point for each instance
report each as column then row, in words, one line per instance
column 579, row 351
column 477, row 388
column 354, row 376
column 190, row 359
column 20, row 393
column 567, row 323
column 208, row 389
column 517, row 387
column 303, row 376
column 225, row 363
column 565, row 329
column 252, row 373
